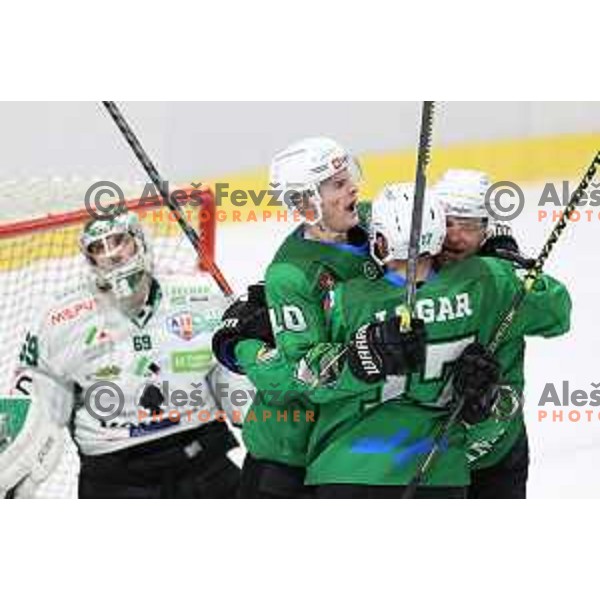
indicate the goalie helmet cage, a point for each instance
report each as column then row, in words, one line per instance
column 40, row 260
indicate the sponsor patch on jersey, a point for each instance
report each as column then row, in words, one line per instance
column 191, row 299
column 147, row 428
column 185, row 325
column 72, row 312
column 107, row 373
column 192, row 361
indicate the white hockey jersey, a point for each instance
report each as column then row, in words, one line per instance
column 121, row 381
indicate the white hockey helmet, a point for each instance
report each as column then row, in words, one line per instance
column 124, row 279
column 299, row 170
column 462, row 192
column 391, row 217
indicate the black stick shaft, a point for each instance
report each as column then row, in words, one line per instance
column 417, row 212
column 540, row 261
column 152, row 172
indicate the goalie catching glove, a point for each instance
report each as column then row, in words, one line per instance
column 381, row 349
column 475, row 382
column 245, row 319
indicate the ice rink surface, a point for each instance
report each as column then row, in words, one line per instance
column 564, row 455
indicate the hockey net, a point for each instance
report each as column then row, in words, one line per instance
column 40, row 260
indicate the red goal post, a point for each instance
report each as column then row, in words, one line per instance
column 153, row 214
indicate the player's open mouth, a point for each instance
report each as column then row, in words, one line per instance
column 351, row 208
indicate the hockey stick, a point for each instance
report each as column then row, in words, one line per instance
column 152, row 172
column 540, row 261
column 423, row 157
column 416, row 224
column 505, row 323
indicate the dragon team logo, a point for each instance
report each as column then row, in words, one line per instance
column 372, row 271
column 185, row 325
column 326, row 281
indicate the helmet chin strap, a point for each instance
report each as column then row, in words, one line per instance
column 320, row 232
column 319, row 224
column 316, row 208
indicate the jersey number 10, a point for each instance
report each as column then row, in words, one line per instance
column 287, row 318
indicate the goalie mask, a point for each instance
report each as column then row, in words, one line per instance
column 299, row 170
column 118, row 253
column 391, row 217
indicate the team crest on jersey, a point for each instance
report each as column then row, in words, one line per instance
column 185, row 325
column 326, row 281
column 371, row 271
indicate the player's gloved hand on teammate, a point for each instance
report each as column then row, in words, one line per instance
column 246, row 319
column 475, row 381
column 501, row 243
column 381, row 349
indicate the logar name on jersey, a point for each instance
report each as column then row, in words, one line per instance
column 443, row 309
column 438, row 310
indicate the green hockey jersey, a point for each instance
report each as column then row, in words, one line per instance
column 298, row 282
column 378, row 434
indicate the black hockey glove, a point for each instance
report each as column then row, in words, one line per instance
column 380, row 349
column 502, row 244
column 475, row 381
column 245, row 319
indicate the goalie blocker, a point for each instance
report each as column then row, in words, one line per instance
column 30, row 446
